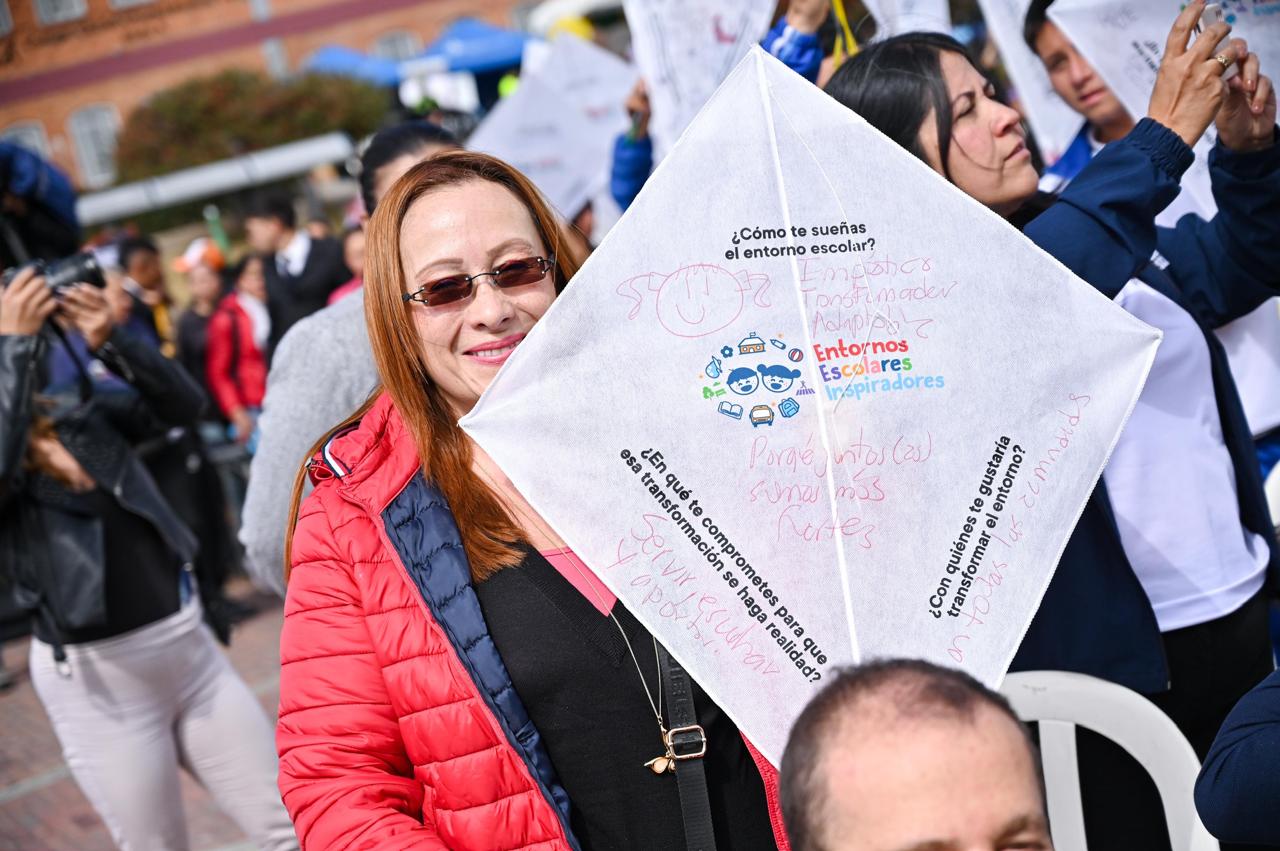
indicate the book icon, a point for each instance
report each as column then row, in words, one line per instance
column 729, row 409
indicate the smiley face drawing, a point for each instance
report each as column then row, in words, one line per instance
column 777, row 378
column 743, row 381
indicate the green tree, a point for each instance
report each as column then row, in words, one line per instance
column 235, row 112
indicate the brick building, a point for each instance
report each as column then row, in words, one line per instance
column 72, row 70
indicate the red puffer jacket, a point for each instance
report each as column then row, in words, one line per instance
column 398, row 728
column 236, row 368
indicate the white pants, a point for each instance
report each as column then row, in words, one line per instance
column 140, row 704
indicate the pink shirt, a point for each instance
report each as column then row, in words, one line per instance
column 580, row 576
column 346, row 289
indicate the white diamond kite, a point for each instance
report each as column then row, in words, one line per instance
column 809, row 403
column 684, row 50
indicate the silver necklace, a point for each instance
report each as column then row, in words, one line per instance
column 665, row 763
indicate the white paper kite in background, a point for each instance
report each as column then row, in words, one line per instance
column 1053, row 123
column 592, row 79
column 550, row 140
column 894, row 17
column 597, row 82
column 808, row 401
column 685, row 48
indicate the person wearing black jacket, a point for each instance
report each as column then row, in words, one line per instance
column 301, row 270
column 131, row 680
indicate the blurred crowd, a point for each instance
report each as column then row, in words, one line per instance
column 150, row 449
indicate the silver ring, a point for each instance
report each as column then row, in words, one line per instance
column 1226, row 63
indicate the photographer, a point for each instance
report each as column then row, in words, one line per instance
column 132, row 681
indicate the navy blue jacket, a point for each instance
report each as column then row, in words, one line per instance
column 1095, row 617
column 1238, row 790
column 420, row 526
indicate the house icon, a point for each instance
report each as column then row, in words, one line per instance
column 751, row 344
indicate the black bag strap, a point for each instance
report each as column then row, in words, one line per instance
column 83, row 381
column 687, row 742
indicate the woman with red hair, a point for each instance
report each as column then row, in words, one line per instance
column 452, row 676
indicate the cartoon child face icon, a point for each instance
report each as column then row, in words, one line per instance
column 778, row 378
column 744, row 381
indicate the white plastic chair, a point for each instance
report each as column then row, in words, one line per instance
column 1059, row 702
column 1272, row 487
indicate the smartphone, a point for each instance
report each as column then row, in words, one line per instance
column 1211, row 15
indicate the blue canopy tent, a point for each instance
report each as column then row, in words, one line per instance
column 346, row 62
column 476, row 46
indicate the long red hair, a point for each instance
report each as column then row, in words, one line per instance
column 488, row 531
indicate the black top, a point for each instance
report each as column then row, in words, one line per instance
column 294, row 297
column 140, row 583
column 581, row 689
column 193, row 348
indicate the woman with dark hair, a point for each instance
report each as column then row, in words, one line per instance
column 393, row 151
column 453, row 676
column 322, row 369
column 1161, row 586
column 353, row 256
column 237, row 349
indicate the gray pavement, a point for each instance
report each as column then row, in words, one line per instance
column 42, row 809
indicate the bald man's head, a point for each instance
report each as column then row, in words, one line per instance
column 906, row 756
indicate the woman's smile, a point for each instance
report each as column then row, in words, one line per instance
column 495, row 353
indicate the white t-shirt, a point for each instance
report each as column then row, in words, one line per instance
column 1252, row 341
column 258, row 317
column 1172, row 484
column 1253, row 349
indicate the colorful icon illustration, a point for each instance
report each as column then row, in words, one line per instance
column 761, row 415
column 751, row 345
column 730, row 410
column 777, row 378
column 765, row 378
column 744, row 381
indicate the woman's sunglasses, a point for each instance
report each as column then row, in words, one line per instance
column 513, row 273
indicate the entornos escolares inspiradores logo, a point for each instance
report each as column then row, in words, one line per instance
column 754, row 381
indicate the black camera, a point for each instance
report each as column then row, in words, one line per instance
column 60, row 275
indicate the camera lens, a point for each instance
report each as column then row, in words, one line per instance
column 80, row 268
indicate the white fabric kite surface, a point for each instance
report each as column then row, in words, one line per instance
column 685, row 48
column 809, row 403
